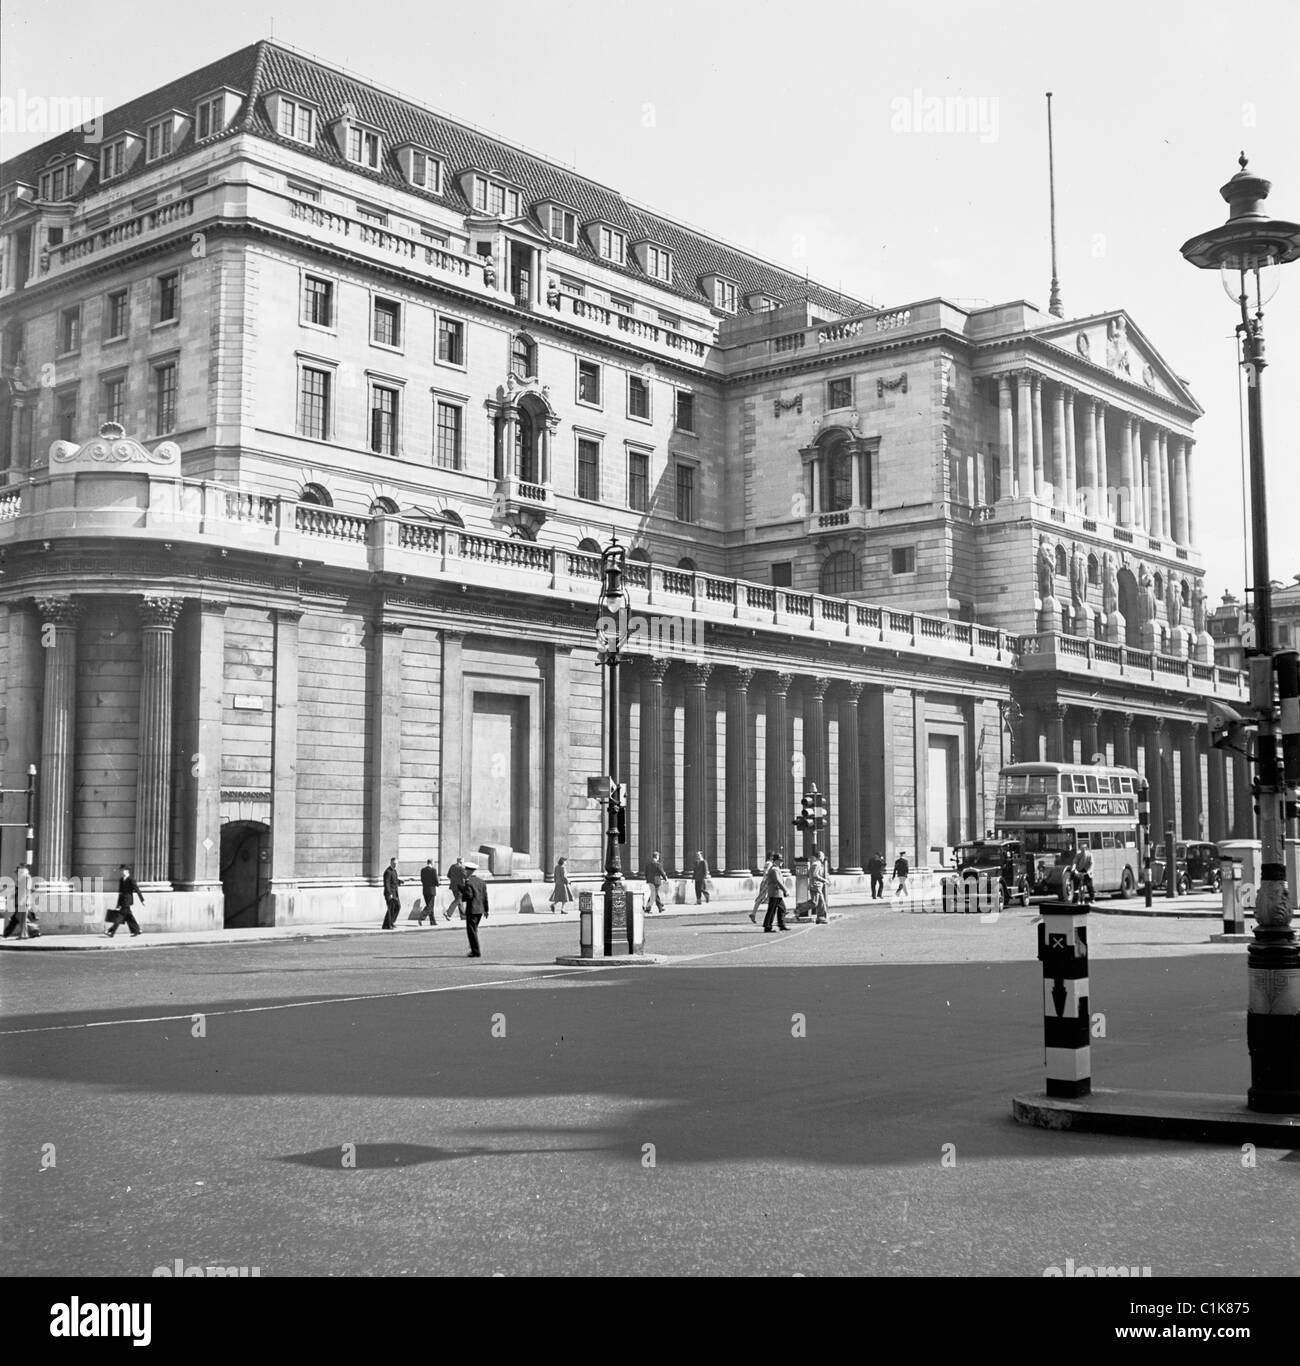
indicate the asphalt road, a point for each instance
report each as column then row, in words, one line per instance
column 833, row 1100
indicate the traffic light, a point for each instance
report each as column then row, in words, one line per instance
column 619, row 800
column 812, row 814
column 1227, row 728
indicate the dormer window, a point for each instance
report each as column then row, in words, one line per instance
column 363, row 147
column 656, row 261
column 762, row 303
column 724, row 295
column 561, row 223
column 420, row 169
column 210, row 117
column 113, row 160
column 295, row 120
column 158, row 140
column 495, row 199
column 611, row 245
column 62, row 182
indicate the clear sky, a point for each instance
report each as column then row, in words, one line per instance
column 777, row 127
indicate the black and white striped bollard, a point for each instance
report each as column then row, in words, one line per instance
column 1063, row 952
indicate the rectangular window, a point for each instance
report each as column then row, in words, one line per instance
column 589, row 470
column 169, row 297
column 426, row 172
column 363, row 147
column 638, row 397
column 375, row 216
column 671, row 321
column 685, row 493
column 612, row 245
column 724, row 295
column 116, row 315
column 383, row 420
column 839, row 393
column 903, row 560
column 589, row 382
column 159, row 140
column 314, row 403
column 621, row 302
column 387, row 328
column 65, row 415
column 571, row 286
column 451, row 341
column 164, row 397
column 59, row 184
column 493, row 198
column 659, row 263
column 70, row 330
column 297, row 121
column 783, row 574
column 448, row 424
column 638, row 481
column 564, row 225
column 112, row 398
column 685, row 420
column 308, row 192
column 209, row 118
column 112, row 160
column 318, row 301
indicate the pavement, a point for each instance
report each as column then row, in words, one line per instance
column 833, row 1101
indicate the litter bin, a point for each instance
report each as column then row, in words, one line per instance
column 1234, row 913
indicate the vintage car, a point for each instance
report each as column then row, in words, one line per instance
column 1006, row 858
column 1196, row 863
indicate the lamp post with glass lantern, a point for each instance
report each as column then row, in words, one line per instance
column 1247, row 250
column 611, row 636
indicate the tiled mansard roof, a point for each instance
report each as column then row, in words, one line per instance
column 265, row 67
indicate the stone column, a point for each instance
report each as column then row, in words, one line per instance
column 1060, row 482
column 1056, row 712
column 22, row 687
column 1189, row 763
column 1006, row 439
column 1025, row 434
column 1154, row 765
column 559, row 764
column 650, row 792
column 921, row 778
column 1091, row 506
column 153, row 784
column 1104, row 508
column 739, row 796
column 1071, row 457
column 876, row 749
column 1142, row 472
column 1153, row 483
column 58, row 634
column 451, row 755
column 777, row 773
column 814, row 745
column 1124, row 497
column 695, row 765
column 1218, row 814
column 1124, row 740
column 1030, row 729
column 849, row 815
column 284, row 766
column 201, row 662
column 385, row 796
column 1039, row 474
column 1166, row 501
column 1091, row 733
column 1180, row 493
column 815, row 493
column 1191, row 502
column 1243, row 800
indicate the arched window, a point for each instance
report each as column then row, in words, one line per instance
column 687, row 564
column 525, row 445
column 641, row 554
column 839, row 478
column 1186, row 593
column 523, row 357
column 588, row 546
column 452, row 518
column 1062, row 567
column 840, row 574
column 1094, row 570
column 317, row 495
column 383, row 507
column 1158, row 585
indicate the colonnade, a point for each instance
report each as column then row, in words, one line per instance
column 1092, row 456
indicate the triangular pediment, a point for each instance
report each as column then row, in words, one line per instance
column 1114, row 343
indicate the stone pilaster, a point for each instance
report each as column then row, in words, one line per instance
column 153, row 788
column 739, row 796
column 1124, row 740
column 1243, row 800
column 1071, row 456
column 284, row 761
column 1039, row 475
column 1189, row 764
column 59, row 616
column 1092, row 506
column 1091, row 718
column 1056, row 712
column 650, row 793
column 451, row 784
column 1006, row 438
column 1025, row 434
column 202, row 665
column 695, row 763
column 1124, row 500
column 1153, row 743
column 814, row 746
column 1060, row 483
column 1219, row 822
column 1180, row 493
column 1103, row 499
column 777, row 774
column 849, row 814
column 385, row 745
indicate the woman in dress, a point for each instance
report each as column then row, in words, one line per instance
column 563, row 893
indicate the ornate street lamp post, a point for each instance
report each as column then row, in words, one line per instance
column 611, row 636
column 1247, row 250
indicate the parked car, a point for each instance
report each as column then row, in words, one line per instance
column 1004, row 857
column 1196, row 864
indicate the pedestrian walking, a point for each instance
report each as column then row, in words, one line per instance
column 127, row 892
column 901, row 871
column 392, row 897
column 562, row 893
column 655, row 878
column 23, row 920
column 1083, row 873
column 761, row 895
column 429, row 887
column 817, row 886
column 456, row 875
column 876, row 867
column 702, row 882
column 774, row 888
column 474, row 899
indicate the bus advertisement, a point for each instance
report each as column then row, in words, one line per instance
column 1055, row 809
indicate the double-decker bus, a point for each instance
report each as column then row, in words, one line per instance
column 1054, row 809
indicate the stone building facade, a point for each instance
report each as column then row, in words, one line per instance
column 317, row 409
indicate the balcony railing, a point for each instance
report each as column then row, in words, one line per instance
column 1070, row 653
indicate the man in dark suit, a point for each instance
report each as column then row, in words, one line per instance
column 655, row 877
column 127, row 891
column 876, row 867
column 456, row 886
column 392, row 897
column 429, row 886
column 474, row 898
